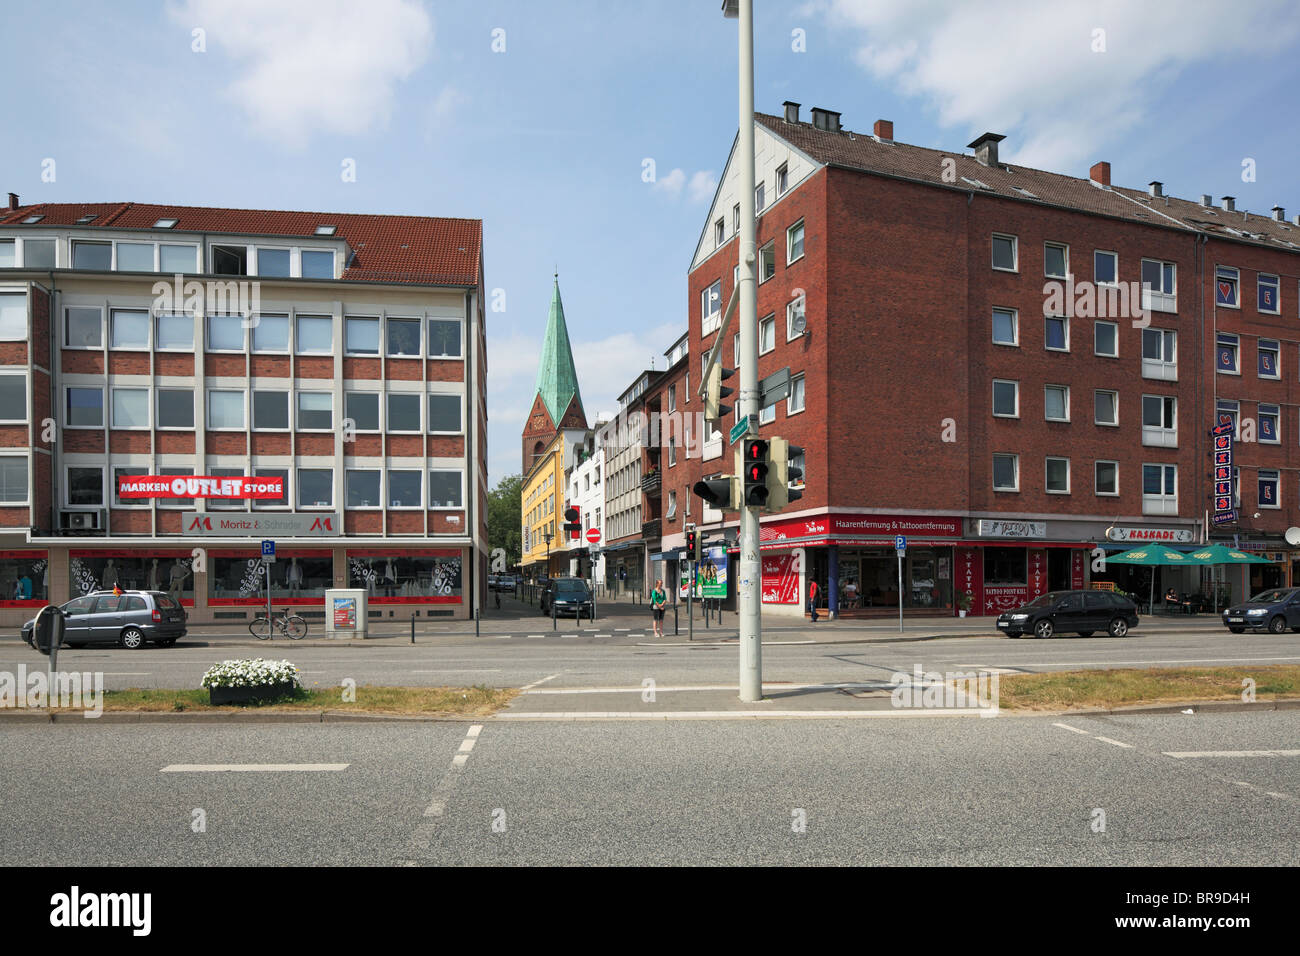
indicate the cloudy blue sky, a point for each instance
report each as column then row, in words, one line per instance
column 545, row 139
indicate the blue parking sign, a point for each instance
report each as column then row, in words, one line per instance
column 268, row 549
column 900, row 542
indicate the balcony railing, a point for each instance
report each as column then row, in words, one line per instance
column 652, row 483
column 650, row 529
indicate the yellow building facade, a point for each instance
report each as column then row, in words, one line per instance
column 543, row 511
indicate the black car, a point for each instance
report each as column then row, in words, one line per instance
column 1079, row 612
column 1275, row 609
column 129, row 619
column 569, row 595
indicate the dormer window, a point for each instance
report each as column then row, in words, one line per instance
column 88, row 218
column 326, row 230
column 164, row 223
column 31, row 219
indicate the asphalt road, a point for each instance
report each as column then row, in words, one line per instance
column 966, row 791
column 577, row 659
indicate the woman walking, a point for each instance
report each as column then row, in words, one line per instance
column 658, row 599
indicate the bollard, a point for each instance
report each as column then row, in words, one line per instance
column 676, row 629
column 552, row 615
column 412, row 627
column 478, row 612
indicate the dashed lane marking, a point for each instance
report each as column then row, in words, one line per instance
column 1117, row 743
column 1074, row 730
column 528, row 687
column 1193, row 754
column 254, row 768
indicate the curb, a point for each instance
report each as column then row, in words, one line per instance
column 265, row 717
column 1204, row 706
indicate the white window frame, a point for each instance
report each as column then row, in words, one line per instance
column 157, row 416
column 288, row 337
column 993, row 397
column 422, row 401
column 186, row 318
column 1114, row 256
column 207, row 418
column 1047, row 463
column 428, row 338
column 379, row 476
column 1015, row 464
column 420, row 346
column 379, row 336
column 790, row 334
column 1269, row 408
column 1277, row 289
column 1161, row 435
column 103, row 407
column 18, row 373
column 250, row 258
column 1277, row 488
column 1162, row 503
column 790, row 408
column 1276, row 348
column 1115, row 327
column 296, row 341
column 74, row 243
column 207, row 335
column 771, row 321
column 710, row 321
column 1056, row 318
column 768, row 250
column 255, row 266
column 1015, row 252
column 1236, row 346
column 1065, row 248
column 790, row 257
column 138, row 504
column 148, row 406
column 1015, row 326
column 1159, row 368
column 289, row 409
column 297, row 471
column 265, row 504
column 429, row 489
column 388, row 491
column 782, row 180
column 1161, row 301
column 1095, row 487
column 1232, row 274
column 1114, row 393
column 103, row 329
column 25, row 456
column 1066, row 390
column 148, row 343
column 67, row 486
column 428, row 424
column 297, row 410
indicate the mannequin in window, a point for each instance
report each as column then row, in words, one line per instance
column 176, row 579
column 110, row 576
column 293, row 578
column 390, row 578
column 153, row 575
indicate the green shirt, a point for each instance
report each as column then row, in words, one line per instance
column 658, row 597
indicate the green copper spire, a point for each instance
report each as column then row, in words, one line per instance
column 557, row 379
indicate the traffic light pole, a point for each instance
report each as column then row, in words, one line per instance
column 749, row 591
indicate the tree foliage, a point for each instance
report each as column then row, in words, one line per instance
column 505, row 517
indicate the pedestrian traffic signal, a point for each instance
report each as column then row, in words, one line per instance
column 720, row 492
column 783, row 472
column 573, row 515
column 756, row 464
column 690, row 543
column 715, row 392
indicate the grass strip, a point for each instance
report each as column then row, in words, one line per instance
column 476, row 701
column 1122, row 687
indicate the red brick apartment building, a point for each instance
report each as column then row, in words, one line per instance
column 327, row 371
column 943, row 392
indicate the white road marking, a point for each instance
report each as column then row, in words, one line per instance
column 748, row 714
column 1071, row 729
column 459, row 760
column 1192, row 754
column 622, row 630
column 148, row 673
column 460, row 670
column 527, row 687
column 467, row 745
column 474, row 731
column 770, row 688
column 602, row 635
column 253, row 767
column 536, row 637
column 1117, row 743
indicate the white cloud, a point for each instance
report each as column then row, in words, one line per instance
column 672, row 183
column 702, row 187
column 1006, row 65
column 699, row 188
column 308, row 66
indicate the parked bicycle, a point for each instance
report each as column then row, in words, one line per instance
column 289, row 625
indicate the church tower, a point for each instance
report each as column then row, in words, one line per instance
column 557, row 403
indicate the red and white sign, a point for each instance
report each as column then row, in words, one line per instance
column 969, row 579
column 1076, row 569
column 198, row 486
column 860, row 525
column 593, row 535
column 780, row 579
column 1172, row 535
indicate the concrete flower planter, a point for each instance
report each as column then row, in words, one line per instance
column 261, row 693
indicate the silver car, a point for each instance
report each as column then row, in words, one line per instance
column 130, row 619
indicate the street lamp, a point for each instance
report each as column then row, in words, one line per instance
column 548, row 536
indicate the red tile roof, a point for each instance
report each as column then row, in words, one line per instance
column 861, row 151
column 415, row 249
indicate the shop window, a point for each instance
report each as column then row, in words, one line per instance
column 25, row 578
column 1005, row 566
column 172, row 573
column 406, row 577
column 243, row 579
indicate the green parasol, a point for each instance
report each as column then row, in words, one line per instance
column 1155, row 554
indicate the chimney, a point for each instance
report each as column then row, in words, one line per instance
column 1279, row 214
column 13, row 201
column 986, row 148
column 883, row 131
column 828, row 120
column 1156, row 188
column 1100, row 173
column 1229, row 203
column 791, row 111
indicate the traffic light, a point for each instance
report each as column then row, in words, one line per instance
column 754, row 490
column 691, row 542
column 719, row 492
column 697, row 551
column 783, row 472
column 715, row 392
column 573, row 516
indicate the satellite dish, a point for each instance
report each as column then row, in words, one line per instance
column 1293, row 537
column 799, row 323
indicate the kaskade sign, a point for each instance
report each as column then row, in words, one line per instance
column 198, row 486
